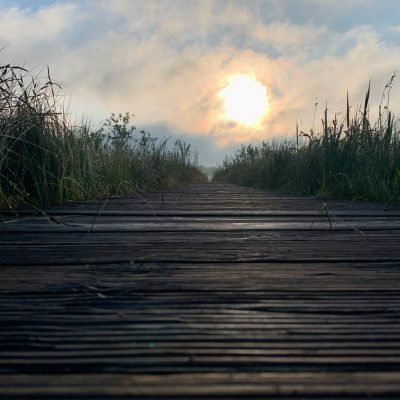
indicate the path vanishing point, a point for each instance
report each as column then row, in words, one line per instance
column 207, row 292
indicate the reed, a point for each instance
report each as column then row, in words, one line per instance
column 44, row 158
column 349, row 158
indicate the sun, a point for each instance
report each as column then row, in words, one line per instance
column 245, row 100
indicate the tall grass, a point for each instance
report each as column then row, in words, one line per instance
column 44, row 158
column 349, row 158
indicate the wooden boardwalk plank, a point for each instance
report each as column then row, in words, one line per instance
column 210, row 291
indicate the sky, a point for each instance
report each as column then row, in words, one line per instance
column 166, row 61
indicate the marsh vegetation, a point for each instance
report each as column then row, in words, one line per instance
column 350, row 157
column 46, row 158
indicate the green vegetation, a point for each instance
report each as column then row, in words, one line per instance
column 44, row 158
column 351, row 158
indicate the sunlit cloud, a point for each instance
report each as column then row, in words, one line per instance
column 164, row 61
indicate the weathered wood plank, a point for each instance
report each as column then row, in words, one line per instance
column 209, row 291
column 209, row 385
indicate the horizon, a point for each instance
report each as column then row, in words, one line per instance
column 167, row 62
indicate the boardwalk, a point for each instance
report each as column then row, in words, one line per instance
column 206, row 292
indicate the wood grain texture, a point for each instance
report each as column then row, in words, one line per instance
column 204, row 292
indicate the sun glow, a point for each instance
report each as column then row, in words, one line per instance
column 245, row 100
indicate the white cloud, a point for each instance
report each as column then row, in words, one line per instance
column 394, row 29
column 164, row 61
column 24, row 27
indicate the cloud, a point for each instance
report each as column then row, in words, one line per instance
column 23, row 27
column 165, row 60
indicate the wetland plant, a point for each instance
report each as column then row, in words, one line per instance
column 350, row 158
column 45, row 158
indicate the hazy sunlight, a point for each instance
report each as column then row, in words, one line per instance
column 245, row 100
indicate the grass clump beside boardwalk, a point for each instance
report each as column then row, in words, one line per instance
column 351, row 159
column 44, row 158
